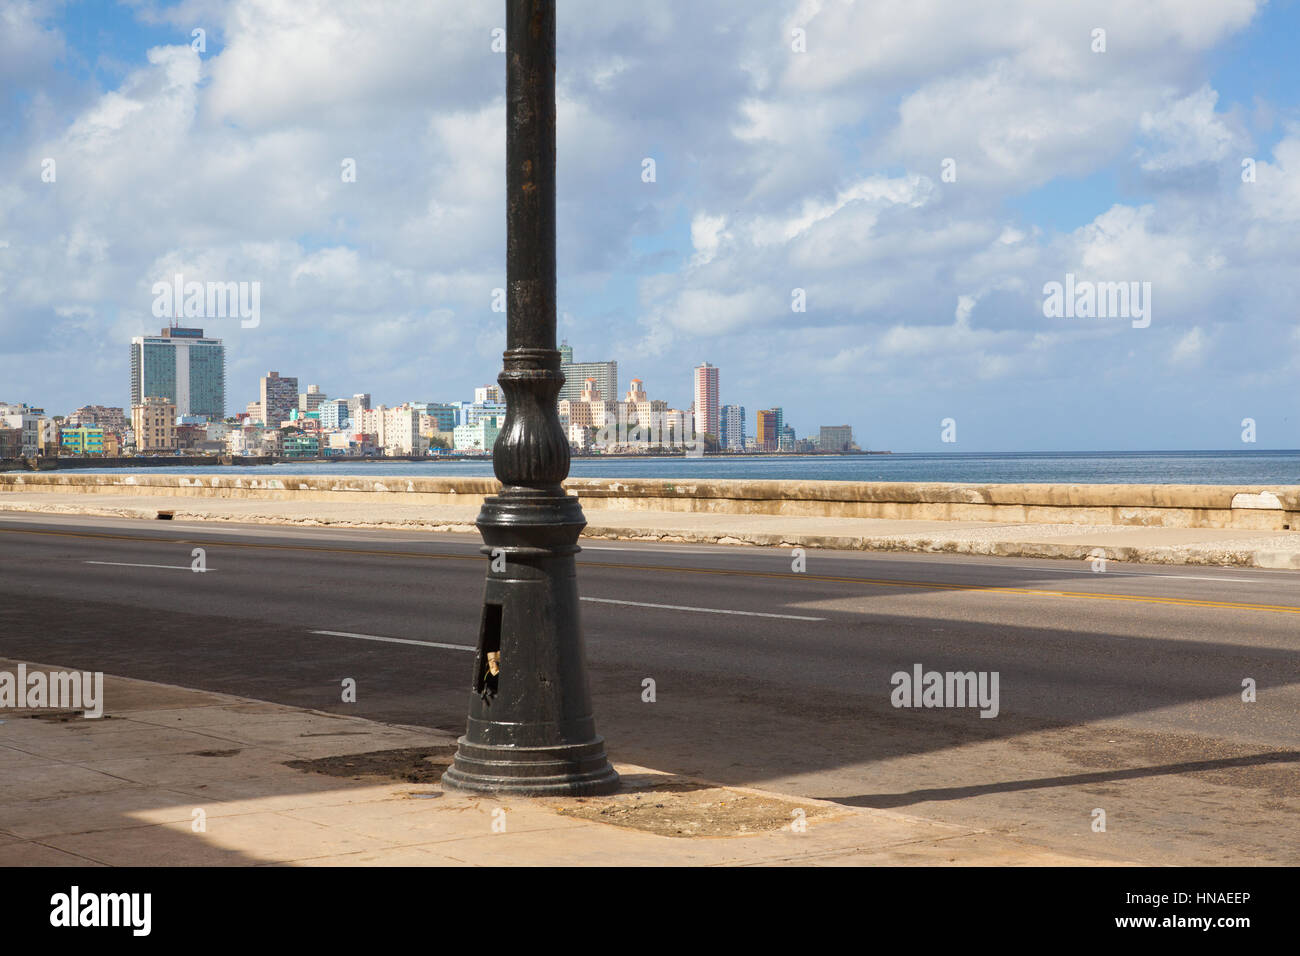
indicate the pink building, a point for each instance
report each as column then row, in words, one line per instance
column 707, row 406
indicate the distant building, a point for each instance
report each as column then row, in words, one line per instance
column 641, row 417
column 577, row 373
column 82, row 440
column 306, row 421
column 112, row 420
column 765, row 434
column 339, row 443
column 301, row 446
column 480, row 411
column 396, row 430
column 50, row 430
column 579, row 437
column 785, row 438
column 707, row 408
column 669, row 426
column 731, row 424
column 11, row 442
column 217, row 431
column 27, row 420
column 402, row 432
column 333, row 413
column 488, row 393
column 272, row 442
column 480, row 436
column 436, row 437
column 154, row 423
column 252, row 440
column 192, row 437
column 311, row 399
column 356, row 404
column 445, row 417
column 279, row 396
column 835, row 438
column 589, row 409
column 182, row 366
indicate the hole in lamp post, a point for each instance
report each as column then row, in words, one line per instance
column 489, row 653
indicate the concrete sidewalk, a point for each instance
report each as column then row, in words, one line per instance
column 1197, row 546
column 177, row 777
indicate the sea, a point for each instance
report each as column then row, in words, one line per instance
column 1102, row 467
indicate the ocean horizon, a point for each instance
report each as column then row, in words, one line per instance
column 1221, row 467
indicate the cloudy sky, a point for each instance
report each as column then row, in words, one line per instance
column 919, row 168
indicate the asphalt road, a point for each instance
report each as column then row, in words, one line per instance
column 1119, row 691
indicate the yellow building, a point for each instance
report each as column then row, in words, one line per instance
column 154, row 424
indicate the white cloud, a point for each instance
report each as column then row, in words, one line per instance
column 1187, row 133
column 777, row 170
column 1190, row 349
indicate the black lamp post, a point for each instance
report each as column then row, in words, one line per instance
column 531, row 729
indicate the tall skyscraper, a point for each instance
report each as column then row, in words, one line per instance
column 707, row 407
column 732, row 426
column 182, row 366
column 577, row 373
column 765, row 429
column 279, row 398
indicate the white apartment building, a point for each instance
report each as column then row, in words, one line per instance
column 477, row 437
column 26, row 418
column 396, row 430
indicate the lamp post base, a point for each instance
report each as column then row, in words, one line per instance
column 530, row 728
column 577, row 770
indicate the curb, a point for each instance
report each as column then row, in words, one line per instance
column 1166, row 555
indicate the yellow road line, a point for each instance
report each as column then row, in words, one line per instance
column 941, row 586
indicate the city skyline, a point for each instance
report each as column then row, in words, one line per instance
column 874, row 234
column 168, row 371
column 161, row 368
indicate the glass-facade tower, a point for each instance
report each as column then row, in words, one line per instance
column 182, row 366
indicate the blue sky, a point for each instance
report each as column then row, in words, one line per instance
column 777, row 170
